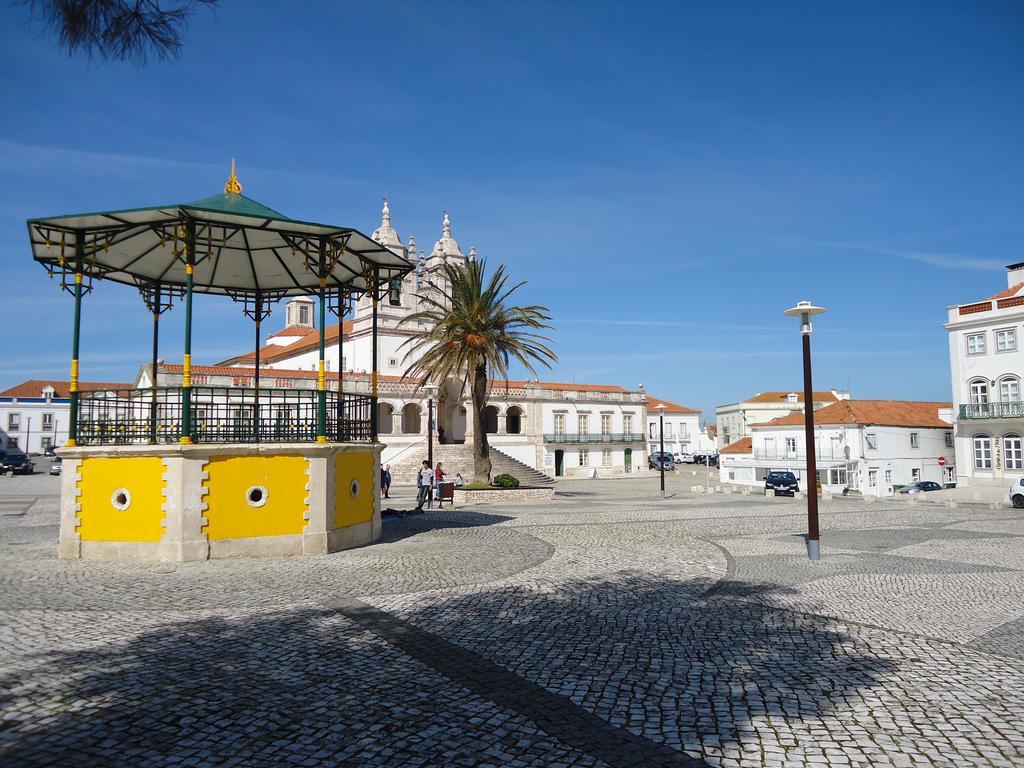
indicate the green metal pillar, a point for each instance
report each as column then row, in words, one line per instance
column 256, row 378
column 186, row 383
column 373, row 372
column 73, row 385
column 321, row 378
column 156, row 353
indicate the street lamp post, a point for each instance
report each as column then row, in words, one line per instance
column 661, row 437
column 431, row 390
column 805, row 310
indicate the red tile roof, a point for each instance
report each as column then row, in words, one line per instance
column 743, row 445
column 780, row 397
column 295, row 330
column 883, row 413
column 1013, row 290
column 309, row 339
column 34, row 387
column 654, row 402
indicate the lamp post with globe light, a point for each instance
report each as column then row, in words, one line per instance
column 805, row 310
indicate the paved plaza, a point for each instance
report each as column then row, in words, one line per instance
column 607, row 628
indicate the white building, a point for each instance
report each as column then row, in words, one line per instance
column 683, row 431
column 986, row 363
column 34, row 414
column 733, row 421
column 560, row 429
column 871, row 446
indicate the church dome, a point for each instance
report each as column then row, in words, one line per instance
column 447, row 246
column 385, row 234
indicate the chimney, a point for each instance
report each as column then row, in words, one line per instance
column 1014, row 274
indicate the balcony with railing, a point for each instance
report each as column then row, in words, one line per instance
column 590, row 437
column 992, row 411
column 826, row 454
column 219, row 415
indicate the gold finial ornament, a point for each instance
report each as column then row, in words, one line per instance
column 234, row 186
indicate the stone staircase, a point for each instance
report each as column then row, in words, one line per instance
column 459, row 459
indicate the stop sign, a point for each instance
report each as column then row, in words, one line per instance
column 942, row 461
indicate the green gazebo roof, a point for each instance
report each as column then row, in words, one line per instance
column 241, row 248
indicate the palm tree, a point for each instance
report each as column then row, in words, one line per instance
column 471, row 335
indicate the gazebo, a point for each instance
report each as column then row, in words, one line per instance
column 193, row 472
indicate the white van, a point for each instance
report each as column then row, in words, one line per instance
column 1017, row 493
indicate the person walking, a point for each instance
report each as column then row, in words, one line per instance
column 385, row 481
column 424, row 481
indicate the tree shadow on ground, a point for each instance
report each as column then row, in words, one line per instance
column 588, row 660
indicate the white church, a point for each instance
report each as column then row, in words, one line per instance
column 555, row 429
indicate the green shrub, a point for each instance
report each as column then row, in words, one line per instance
column 505, row 481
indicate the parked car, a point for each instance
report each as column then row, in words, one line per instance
column 710, row 459
column 17, row 464
column 921, row 487
column 51, row 450
column 656, row 459
column 683, row 458
column 1017, row 494
column 783, row 483
column 56, row 465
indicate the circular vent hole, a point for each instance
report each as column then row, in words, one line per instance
column 121, row 499
column 353, row 489
column 256, row 496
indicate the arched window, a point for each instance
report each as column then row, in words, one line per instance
column 514, row 420
column 979, row 392
column 491, row 420
column 385, row 414
column 1009, row 389
column 1013, row 452
column 411, row 419
column 982, row 452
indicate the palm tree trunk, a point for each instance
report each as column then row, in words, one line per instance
column 481, row 450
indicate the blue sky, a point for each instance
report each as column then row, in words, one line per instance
column 668, row 177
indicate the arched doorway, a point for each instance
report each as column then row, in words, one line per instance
column 491, row 420
column 411, row 419
column 514, row 420
column 385, row 418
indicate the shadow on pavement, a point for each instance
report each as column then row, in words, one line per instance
column 626, row 668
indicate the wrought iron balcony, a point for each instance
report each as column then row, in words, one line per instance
column 219, row 415
column 599, row 437
column 992, row 411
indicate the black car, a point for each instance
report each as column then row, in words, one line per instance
column 920, row 487
column 51, row 450
column 784, row 483
column 16, row 464
column 708, row 459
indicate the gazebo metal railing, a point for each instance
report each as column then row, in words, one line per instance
column 219, row 415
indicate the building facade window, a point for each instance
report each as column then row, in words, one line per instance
column 1006, row 340
column 14, row 421
column 915, row 440
column 12, row 443
column 982, row 452
column 871, row 440
column 791, row 445
column 47, row 422
column 888, row 477
column 949, row 439
column 837, row 476
column 559, row 423
column 915, row 475
column 45, row 442
column 979, row 392
column 1009, row 389
column 584, row 457
column 872, row 478
column 582, row 423
column 976, row 344
column 668, row 429
column 627, row 423
column 606, row 423
column 1013, row 452
column 606, row 457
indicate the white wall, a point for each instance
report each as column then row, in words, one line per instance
column 30, row 435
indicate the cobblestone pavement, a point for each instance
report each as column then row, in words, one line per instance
column 607, row 628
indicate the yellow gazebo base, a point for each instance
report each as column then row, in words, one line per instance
column 175, row 503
